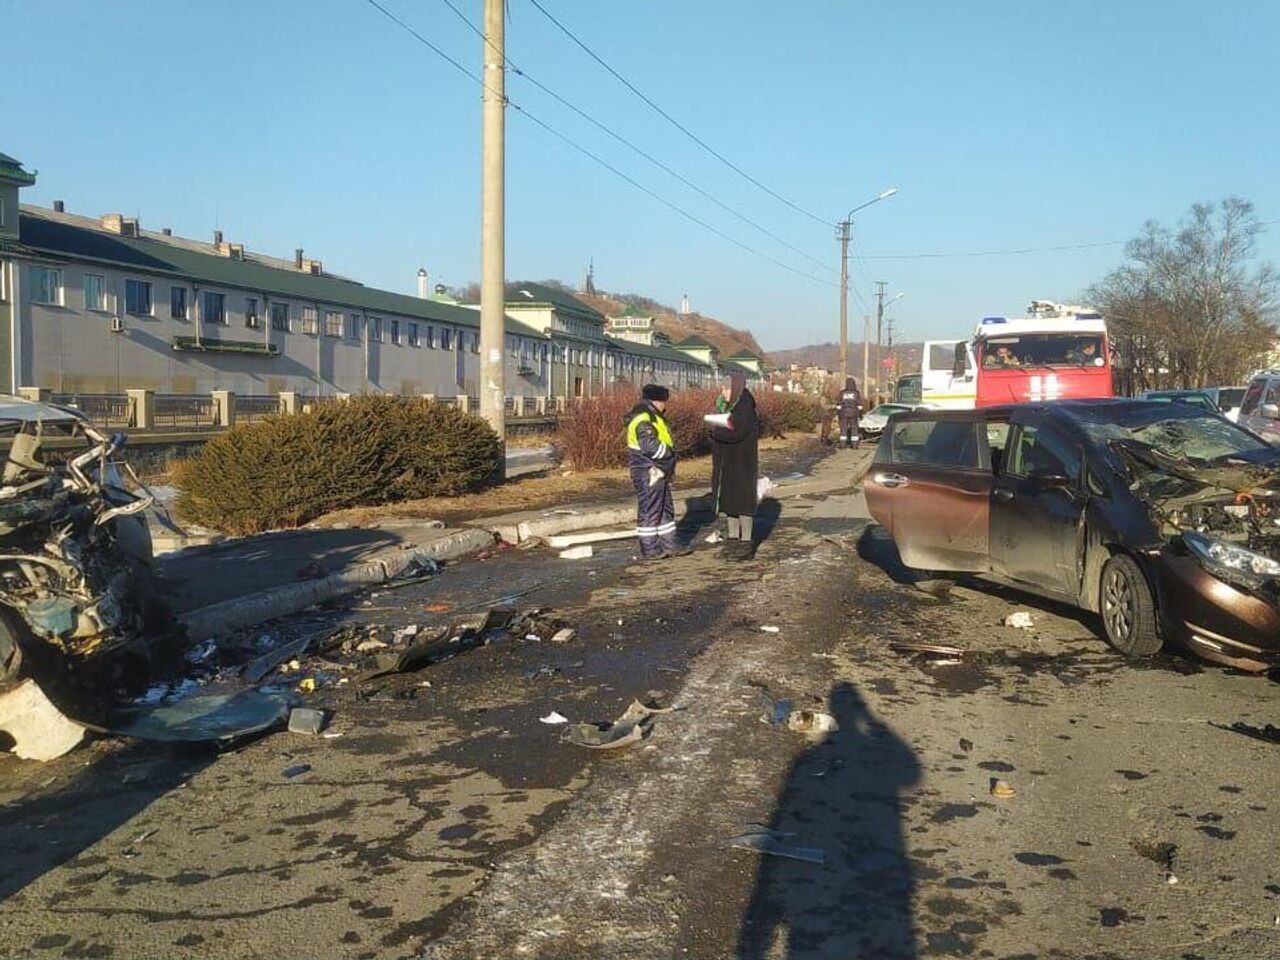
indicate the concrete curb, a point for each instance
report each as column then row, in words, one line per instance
column 513, row 529
column 207, row 622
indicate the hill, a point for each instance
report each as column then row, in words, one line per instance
column 827, row 355
column 727, row 339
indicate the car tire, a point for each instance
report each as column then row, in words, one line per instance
column 1128, row 608
column 12, row 643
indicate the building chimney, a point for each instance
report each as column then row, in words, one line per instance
column 422, row 283
column 120, row 225
column 297, row 258
column 167, row 231
column 58, row 206
column 217, row 238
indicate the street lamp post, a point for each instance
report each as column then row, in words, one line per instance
column 842, row 233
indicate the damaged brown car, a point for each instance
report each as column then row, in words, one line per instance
column 77, row 609
column 1164, row 519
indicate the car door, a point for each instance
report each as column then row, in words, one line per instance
column 930, row 486
column 1037, row 508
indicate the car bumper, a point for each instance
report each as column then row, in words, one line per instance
column 871, row 429
column 1215, row 619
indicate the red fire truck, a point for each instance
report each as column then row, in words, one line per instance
column 1057, row 352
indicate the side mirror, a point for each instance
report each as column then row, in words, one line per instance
column 1271, row 411
column 957, row 368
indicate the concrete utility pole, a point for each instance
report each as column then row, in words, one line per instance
column 880, row 285
column 866, row 353
column 843, row 227
column 492, row 226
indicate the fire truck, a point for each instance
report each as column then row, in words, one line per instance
column 1056, row 352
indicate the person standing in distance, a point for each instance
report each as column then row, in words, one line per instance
column 850, row 411
column 651, row 456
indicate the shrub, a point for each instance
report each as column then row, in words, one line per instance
column 286, row 471
column 780, row 412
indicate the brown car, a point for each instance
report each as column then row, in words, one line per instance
column 1162, row 518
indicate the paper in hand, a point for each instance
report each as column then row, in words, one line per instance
column 717, row 419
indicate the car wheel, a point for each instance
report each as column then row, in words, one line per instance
column 11, row 645
column 1128, row 609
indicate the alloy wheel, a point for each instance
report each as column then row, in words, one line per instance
column 1118, row 605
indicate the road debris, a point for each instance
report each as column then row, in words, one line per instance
column 307, row 685
column 938, row 588
column 553, row 718
column 934, row 654
column 1267, row 734
column 713, row 537
column 770, row 629
column 204, row 717
column 256, row 670
column 577, row 553
column 1021, row 620
column 366, row 646
column 297, row 770
column 634, row 725
column 438, row 607
column 39, row 731
column 1002, row 790
column 770, row 843
column 564, row 635
column 432, row 647
column 306, row 720
column 596, row 536
column 809, row 721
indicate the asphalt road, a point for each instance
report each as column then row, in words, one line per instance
column 447, row 822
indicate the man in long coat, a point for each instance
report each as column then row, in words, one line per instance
column 735, row 461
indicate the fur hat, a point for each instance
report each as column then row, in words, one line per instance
column 655, row 391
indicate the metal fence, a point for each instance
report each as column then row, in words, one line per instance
column 256, row 408
column 186, row 410
column 103, row 409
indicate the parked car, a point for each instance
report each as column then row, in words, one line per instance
column 1163, row 518
column 873, row 421
column 1198, row 398
column 1260, row 408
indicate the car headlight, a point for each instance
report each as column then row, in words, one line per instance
column 1227, row 559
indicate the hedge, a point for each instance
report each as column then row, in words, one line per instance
column 285, row 471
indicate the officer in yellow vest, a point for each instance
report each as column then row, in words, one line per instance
column 651, row 455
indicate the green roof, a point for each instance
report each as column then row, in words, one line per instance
column 695, row 342
column 11, row 170
column 58, row 238
column 527, row 294
column 746, row 355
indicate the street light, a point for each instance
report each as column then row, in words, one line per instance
column 843, row 234
column 881, row 306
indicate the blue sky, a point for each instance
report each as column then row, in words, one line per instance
column 1005, row 124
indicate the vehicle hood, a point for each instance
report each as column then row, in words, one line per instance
column 1163, row 478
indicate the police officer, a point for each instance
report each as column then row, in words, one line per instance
column 651, row 455
column 850, row 410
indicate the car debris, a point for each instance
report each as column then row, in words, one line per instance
column 564, row 635
column 634, row 725
column 771, row 843
column 934, row 654
column 554, row 718
column 306, row 720
column 577, row 553
column 78, row 613
column 435, row 646
column 206, row 717
column 38, row 729
column 1002, row 790
column 1021, row 620
column 1268, row 733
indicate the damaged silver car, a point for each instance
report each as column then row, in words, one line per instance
column 76, row 609
column 1164, row 519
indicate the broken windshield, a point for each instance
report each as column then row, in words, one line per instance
column 1184, row 432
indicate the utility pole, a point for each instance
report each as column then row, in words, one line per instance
column 843, row 227
column 880, row 285
column 492, row 226
column 866, row 347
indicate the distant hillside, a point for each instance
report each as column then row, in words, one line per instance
column 827, row 355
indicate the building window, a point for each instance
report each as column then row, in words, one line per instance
column 446, row 339
column 280, row 317
column 177, row 303
column 353, row 327
column 46, row 285
column 431, row 336
column 1, row 211
column 310, row 320
column 251, row 312
column 395, row 332
column 475, row 343
column 333, row 323
column 137, row 297
column 375, row 329
column 412, row 329
column 95, row 294
column 213, row 307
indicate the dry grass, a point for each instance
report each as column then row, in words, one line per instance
column 534, row 493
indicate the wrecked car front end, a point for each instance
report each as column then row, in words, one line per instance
column 73, row 554
column 1218, row 559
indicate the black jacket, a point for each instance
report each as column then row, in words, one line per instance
column 735, row 459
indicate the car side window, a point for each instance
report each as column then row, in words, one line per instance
column 1040, row 451
column 1273, row 393
column 997, row 442
column 935, row 443
column 1252, row 397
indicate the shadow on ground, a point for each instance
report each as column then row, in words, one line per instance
column 843, row 794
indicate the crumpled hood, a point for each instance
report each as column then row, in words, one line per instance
column 1154, row 469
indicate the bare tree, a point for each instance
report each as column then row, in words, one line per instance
column 1192, row 307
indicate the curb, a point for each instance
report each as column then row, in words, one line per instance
column 686, row 505
column 207, row 622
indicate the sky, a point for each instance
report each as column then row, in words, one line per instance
column 1004, row 124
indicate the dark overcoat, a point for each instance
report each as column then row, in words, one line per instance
column 735, row 459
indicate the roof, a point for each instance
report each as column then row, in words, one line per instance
column 728, row 366
column 695, row 342
column 995, row 328
column 746, row 355
column 527, row 294
column 69, row 236
column 11, row 170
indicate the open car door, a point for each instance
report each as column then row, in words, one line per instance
column 930, row 486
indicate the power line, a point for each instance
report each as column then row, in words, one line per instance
column 674, row 122
column 587, row 153
column 635, row 147
column 1016, row 251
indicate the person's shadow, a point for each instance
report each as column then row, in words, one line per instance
column 843, row 795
